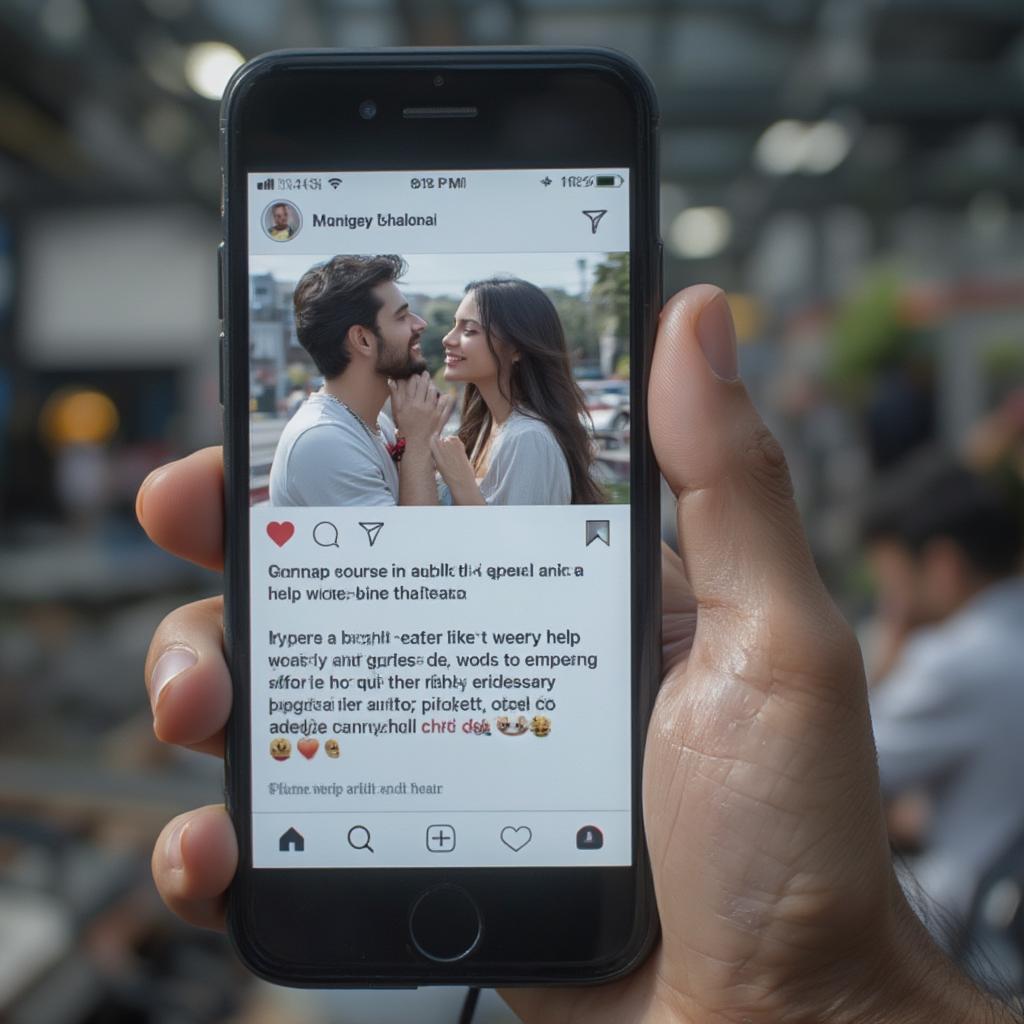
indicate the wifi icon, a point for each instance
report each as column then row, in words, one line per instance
column 334, row 183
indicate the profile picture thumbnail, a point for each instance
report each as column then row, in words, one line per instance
column 282, row 221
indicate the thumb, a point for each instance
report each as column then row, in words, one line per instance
column 740, row 535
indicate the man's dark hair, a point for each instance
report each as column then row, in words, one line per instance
column 335, row 296
column 279, row 206
column 931, row 496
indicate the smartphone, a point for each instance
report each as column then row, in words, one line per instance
column 441, row 279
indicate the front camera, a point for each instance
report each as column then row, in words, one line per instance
column 367, row 110
column 439, row 80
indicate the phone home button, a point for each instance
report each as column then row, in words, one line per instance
column 445, row 924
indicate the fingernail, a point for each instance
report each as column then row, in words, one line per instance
column 717, row 337
column 172, row 848
column 140, row 495
column 171, row 663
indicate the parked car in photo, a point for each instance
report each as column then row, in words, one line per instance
column 607, row 404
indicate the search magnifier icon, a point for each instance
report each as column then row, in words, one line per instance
column 359, row 838
column 326, row 535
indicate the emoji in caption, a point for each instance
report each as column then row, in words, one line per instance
column 331, row 748
column 280, row 533
column 541, row 725
column 509, row 728
column 280, row 749
column 308, row 747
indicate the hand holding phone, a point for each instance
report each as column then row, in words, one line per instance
column 772, row 872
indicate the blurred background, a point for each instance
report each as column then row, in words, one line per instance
column 851, row 172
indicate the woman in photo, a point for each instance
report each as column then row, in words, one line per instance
column 522, row 440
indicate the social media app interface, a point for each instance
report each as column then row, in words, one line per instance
column 440, row 648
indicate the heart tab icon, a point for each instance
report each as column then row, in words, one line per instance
column 516, row 838
column 280, row 533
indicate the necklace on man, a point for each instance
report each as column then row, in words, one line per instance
column 374, row 433
column 395, row 449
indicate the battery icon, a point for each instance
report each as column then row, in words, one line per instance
column 609, row 181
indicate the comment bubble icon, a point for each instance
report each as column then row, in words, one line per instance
column 326, row 535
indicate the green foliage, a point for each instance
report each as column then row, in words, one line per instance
column 575, row 316
column 610, row 296
column 871, row 334
column 1003, row 361
column 611, row 289
column 618, row 493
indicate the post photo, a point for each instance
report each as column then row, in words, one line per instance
column 452, row 379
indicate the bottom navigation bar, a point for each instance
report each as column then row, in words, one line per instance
column 440, row 839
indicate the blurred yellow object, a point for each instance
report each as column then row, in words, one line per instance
column 747, row 315
column 78, row 416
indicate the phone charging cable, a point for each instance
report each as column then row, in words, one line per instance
column 469, row 1006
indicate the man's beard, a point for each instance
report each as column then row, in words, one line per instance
column 398, row 366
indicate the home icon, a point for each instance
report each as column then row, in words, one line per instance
column 291, row 841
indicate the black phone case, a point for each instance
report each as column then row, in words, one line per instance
column 521, row 884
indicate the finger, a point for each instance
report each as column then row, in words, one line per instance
column 741, row 540
column 412, row 386
column 396, row 395
column 181, row 507
column 444, row 411
column 187, row 678
column 193, row 862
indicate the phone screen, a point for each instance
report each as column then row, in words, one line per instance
column 440, row 665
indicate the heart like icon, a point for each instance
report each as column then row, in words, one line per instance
column 516, row 838
column 280, row 533
column 308, row 747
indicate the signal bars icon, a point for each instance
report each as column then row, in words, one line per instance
column 334, row 183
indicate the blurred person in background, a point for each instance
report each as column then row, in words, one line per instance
column 947, row 702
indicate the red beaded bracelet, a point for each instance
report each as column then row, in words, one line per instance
column 397, row 450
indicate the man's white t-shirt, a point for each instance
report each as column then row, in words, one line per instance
column 326, row 457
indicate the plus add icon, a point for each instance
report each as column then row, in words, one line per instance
column 440, row 838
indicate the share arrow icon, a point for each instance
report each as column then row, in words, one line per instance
column 372, row 529
column 595, row 218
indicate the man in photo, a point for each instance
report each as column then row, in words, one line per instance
column 339, row 448
column 281, row 228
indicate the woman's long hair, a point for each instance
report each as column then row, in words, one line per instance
column 542, row 385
